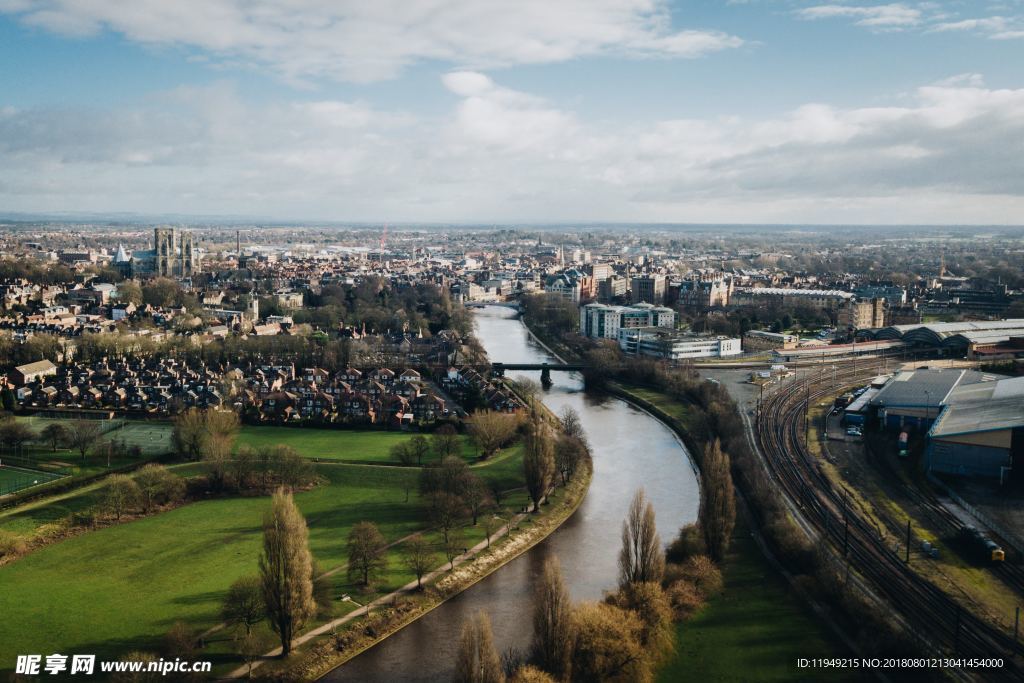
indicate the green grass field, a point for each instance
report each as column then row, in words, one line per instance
column 342, row 445
column 754, row 631
column 177, row 565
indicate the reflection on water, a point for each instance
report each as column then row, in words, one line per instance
column 631, row 450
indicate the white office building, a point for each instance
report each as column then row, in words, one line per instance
column 662, row 343
column 599, row 321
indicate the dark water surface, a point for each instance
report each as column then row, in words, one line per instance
column 631, row 450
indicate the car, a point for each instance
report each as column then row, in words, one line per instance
column 854, row 431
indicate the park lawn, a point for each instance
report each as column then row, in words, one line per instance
column 121, row 587
column 343, row 445
column 755, row 630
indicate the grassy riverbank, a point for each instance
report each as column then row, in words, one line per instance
column 757, row 628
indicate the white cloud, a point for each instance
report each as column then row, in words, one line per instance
column 891, row 16
column 950, row 153
column 366, row 41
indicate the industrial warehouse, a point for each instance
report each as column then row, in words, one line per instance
column 973, row 422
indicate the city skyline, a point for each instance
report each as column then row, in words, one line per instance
column 731, row 112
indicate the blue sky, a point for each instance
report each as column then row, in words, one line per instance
column 457, row 110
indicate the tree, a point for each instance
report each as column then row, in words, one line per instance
column 189, row 433
column 552, row 622
column 718, row 508
column 161, row 291
column 83, row 435
column 418, row 558
column 121, row 495
column 179, row 641
column 569, row 453
column 243, row 465
column 445, row 441
column 403, row 453
column 158, row 486
column 366, row 552
column 572, row 426
column 641, row 558
column 419, row 447
column 196, row 431
column 454, row 544
column 476, row 496
column 477, row 660
column 446, row 511
column 492, row 429
column 538, row 463
column 14, row 434
column 243, row 604
column 286, row 569
column 607, row 646
column 649, row 602
column 54, row 434
column 129, row 292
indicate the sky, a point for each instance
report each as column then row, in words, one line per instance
column 530, row 111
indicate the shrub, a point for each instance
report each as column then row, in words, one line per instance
column 11, row 545
column 703, row 574
column 688, row 543
column 685, row 599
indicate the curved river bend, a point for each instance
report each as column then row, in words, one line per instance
column 631, row 450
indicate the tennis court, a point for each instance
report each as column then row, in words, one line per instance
column 17, row 478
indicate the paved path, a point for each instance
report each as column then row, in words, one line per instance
column 330, row 572
column 243, row 670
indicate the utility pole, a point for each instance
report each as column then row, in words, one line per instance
column 807, row 415
column 908, row 545
column 846, row 528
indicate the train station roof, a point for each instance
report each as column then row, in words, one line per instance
column 953, row 335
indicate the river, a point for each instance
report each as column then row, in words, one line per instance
column 631, row 450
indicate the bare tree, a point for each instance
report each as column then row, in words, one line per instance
column 286, row 569
column 243, row 605
column 476, row 496
column 492, row 429
column 607, row 645
column 403, row 453
column 158, row 486
column 83, row 435
column 538, row 462
column 420, row 448
column 14, row 434
column 418, row 558
column 121, row 495
column 552, row 622
column 54, row 434
column 366, row 552
column 445, row 441
column 446, row 511
column 572, row 426
column 454, row 544
column 641, row 558
column 477, row 660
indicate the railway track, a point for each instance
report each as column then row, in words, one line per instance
column 948, row 629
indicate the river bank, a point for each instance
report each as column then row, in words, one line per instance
column 402, row 608
column 585, row 543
